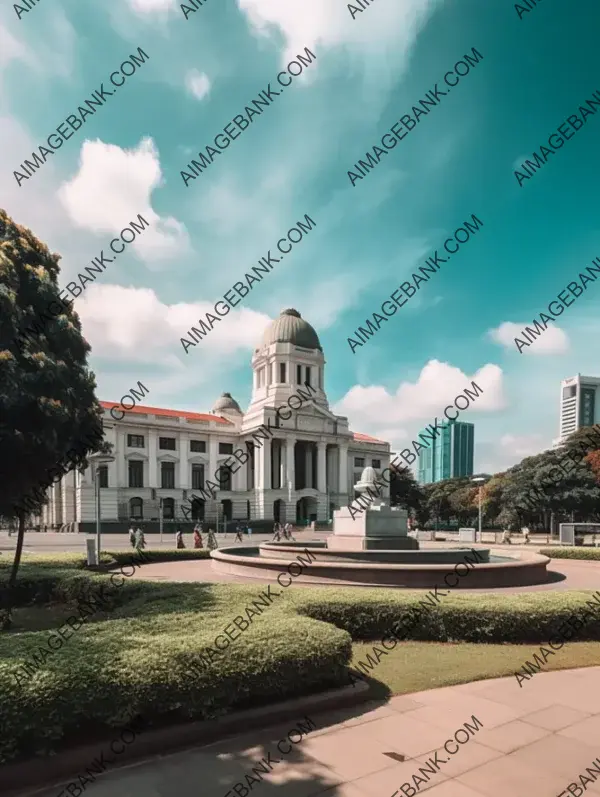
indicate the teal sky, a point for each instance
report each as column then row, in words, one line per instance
column 293, row 160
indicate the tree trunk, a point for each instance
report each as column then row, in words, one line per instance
column 12, row 581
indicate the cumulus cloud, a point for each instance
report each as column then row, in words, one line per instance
column 397, row 416
column 553, row 340
column 114, row 185
column 309, row 23
column 197, row 83
column 498, row 456
column 130, row 323
column 151, row 6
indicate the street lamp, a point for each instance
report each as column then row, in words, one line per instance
column 96, row 461
column 479, row 480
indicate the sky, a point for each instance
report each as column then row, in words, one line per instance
column 371, row 66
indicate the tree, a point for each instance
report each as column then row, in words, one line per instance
column 51, row 419
column 404, row 490
column 593, row 460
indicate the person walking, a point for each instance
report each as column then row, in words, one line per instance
column 212, row 541
column 140, row 540
column 179, row 543
column 250, row 532
column 238, row 534
column 525, row 532
column 506, row 538
column 197, row 537
column 132, row 536
column 276, row 532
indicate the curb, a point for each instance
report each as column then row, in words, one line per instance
column 35, row 775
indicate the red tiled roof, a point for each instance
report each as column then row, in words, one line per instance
column 365, row 438
column 190, row 416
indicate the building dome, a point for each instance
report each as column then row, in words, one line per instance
column 290, row 327
column 226, row 403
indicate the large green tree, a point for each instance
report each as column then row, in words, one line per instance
column 404, row 490
column 50, row 418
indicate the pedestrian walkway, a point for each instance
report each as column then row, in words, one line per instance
column 529, row 741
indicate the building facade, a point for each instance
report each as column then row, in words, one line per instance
column 579, row 404
column 286, row 458
column 450, row 454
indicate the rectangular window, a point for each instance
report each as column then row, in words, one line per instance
column 103, row 475
column 282, row 373
column 136, row 473
column 135, row 440
column 308, row 376
column 376, row 463
column 167, row 475
column 199, row 446
column 298, row 374
column 197, row 477
column 166, row 443
column 359, row 462
column 225, row 448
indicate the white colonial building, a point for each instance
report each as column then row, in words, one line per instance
column 303, row 463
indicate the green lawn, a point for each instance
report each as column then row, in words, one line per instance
column 415, row 666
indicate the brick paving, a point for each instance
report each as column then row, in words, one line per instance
column 535, row 742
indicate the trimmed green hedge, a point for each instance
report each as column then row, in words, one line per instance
column 370, row 614
column 146, row 660
column 149, row 556
column 576, row 552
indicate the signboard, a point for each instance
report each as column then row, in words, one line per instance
column 588, row 401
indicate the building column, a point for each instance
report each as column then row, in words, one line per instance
column 307, row 464
column 153, row 474
column 322, row 467
column 185, row 471
column 290, row 475
column 213, row 455
column 343, row 470
column 266, row 464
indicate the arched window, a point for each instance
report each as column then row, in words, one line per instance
column 136, row 508
column 168, row 508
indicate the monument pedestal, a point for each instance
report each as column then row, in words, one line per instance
column 378, row 528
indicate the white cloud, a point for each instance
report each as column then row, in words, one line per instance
column 400, row 415
column 553, row 340
column 114, row 185
column 151, row 6
column 309, row 23
column 508, row 451
column 197, row 83
column 132, row 324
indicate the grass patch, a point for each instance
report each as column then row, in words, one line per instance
column 417, row 666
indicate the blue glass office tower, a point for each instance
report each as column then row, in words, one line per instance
column 450, row 455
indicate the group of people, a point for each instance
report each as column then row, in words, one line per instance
column 506, row 540
column 280, row 531
column 138, row 541
column 211, row 539
column 136, row 538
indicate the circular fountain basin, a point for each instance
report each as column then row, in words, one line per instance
column 460, row 568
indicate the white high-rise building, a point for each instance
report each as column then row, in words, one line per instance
column 579, row 404
column 297, row 465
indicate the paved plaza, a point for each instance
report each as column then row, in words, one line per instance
column 528, row 742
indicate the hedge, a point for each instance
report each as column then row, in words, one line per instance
column 43, row 578
column 577, row 552
column 146, row 661
column 491, row 618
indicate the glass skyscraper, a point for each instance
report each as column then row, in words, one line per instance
column 450, row 455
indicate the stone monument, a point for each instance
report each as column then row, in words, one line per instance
column 380, row 527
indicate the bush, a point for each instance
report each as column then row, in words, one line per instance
column 591, row 554
column 148, row 556
column 147, row 660
column 532, row 617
